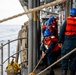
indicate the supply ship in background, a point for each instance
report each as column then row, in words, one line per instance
column 30, row 36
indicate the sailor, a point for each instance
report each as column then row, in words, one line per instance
column 53, row 26
column 67, row 37
column 43, row 28
column 50, row 49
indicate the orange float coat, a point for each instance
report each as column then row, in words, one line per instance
column 71, row 26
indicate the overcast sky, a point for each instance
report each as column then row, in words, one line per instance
column 9, row 8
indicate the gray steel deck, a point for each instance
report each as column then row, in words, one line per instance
column 57, row 71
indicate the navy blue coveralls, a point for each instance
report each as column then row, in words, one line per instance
column 50, row 56
column 69, row 43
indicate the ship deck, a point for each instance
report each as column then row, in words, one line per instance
column 56, row 70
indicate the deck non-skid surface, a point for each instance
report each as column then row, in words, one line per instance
column 57, row 71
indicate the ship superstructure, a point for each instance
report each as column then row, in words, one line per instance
column 30, row 37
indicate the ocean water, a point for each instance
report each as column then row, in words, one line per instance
column 8, row 32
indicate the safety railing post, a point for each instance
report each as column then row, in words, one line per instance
column 8, row 51
column 1, row 58
column 1, row 53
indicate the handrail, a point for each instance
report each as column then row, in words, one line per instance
column 12, row 41
column 1, row 47
column 12, row 55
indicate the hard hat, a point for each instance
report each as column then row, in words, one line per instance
column 51, row 19
column 73, row 11
column 47, row 33
column 47, row 22
column 50, row 22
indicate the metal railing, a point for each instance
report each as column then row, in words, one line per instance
column 8, row 59
column 2, row 62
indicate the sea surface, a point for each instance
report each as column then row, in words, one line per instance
column 8, row 32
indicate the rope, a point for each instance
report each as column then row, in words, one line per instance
column 37, row 65
column 57, row 61
column 34, row 9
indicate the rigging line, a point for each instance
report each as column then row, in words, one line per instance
column 72, row 51
column 37, row 65
column 34, row 9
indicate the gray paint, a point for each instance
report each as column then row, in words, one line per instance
column 30, row 40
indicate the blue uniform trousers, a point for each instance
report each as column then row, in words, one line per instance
column 52, row 56
column 68, row 45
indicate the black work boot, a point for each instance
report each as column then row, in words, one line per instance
column 43, row 67
column 72, row 72
column 64, row 72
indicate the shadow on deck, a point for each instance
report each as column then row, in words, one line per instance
column 56, row 70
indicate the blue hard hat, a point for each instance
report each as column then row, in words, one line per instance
column 53, row 18
column 73, row 11
column 50, row 19
column 47, row 33
column 47, row 23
